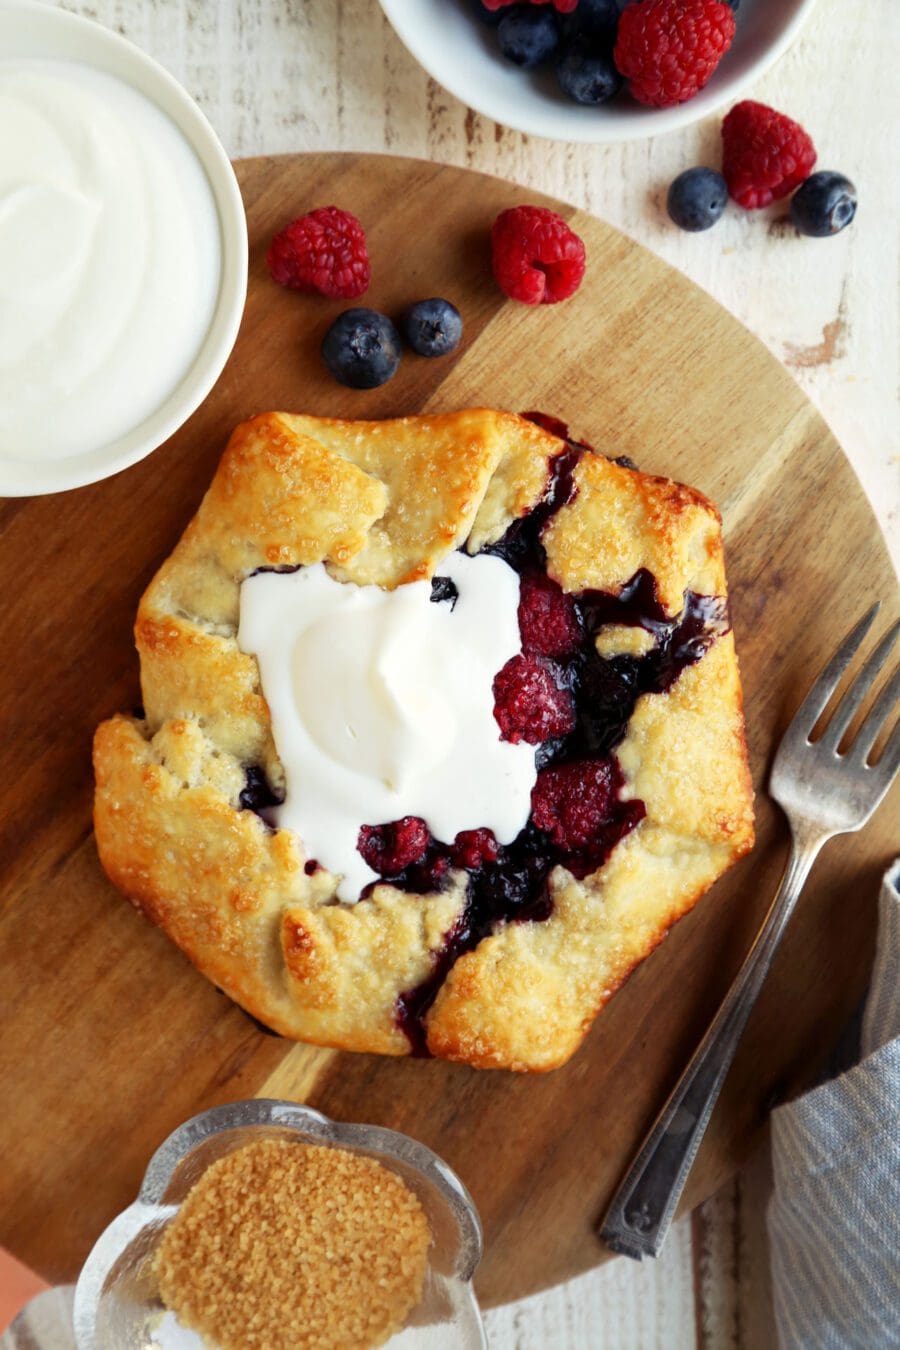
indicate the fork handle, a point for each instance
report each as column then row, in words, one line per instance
column 642, row 1209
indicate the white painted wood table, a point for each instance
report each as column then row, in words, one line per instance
column 289, row 75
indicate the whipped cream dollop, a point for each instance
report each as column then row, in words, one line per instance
column 382, row 705
column 110, row 258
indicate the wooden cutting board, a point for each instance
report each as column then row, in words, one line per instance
column 110, row 1038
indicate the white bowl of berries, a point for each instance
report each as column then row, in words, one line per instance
column 596, row 70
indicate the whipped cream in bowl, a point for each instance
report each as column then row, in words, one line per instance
column 382, row 705
column 123, row 252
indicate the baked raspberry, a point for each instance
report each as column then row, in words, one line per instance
column 573, row 802
column 548, row 620
column 429, row 875
column 765, row 155
column 474, row 848
column 528, row 703
column 535, row 256
column 668, row 49
column 388, row 849
column 324, row 251
column 561, row 6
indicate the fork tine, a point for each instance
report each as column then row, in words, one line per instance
column 878, row 714
column 813, row 705
column 889, row 763
column 852, row 700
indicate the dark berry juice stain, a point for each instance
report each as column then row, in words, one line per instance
column 606, row 690
column 554, row 425
column 560, row 429
column 282, row 570
column 521, row 545
column 414, row 1004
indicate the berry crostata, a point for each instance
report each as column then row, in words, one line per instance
column 442, row 731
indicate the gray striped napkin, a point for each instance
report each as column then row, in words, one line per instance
column 834, row 1219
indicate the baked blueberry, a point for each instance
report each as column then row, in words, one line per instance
column 444, row 591
column 257, row 793
column 362, row 348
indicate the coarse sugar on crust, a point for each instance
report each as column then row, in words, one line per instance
column 386, row 502
column 283, row 1245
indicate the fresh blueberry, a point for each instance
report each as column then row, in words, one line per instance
column 432, row 327
column 593, row 21
column 697, row 198
column 825, row 204
column 362, row 348
column 491, row 17
column 529, row 37
column 587, row 78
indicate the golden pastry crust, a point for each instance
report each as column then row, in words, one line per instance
column 385, row 502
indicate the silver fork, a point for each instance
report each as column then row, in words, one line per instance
column 823, row 792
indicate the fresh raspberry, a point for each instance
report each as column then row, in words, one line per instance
column 535, row 256
column 668, row 49
column 474, row 848
column 563, row 6
column 324, row 251
column 528, row 703
column 765, row 155
column 548, row 621
column 389, row 848
column 573, row 802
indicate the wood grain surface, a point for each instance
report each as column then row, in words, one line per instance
column 110, row 1037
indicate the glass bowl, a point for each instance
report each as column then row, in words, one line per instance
column 117, row 1304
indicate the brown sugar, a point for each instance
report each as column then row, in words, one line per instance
column 282, row 1246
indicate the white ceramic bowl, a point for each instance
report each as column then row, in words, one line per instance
column 461, row 54
column 33, row 30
